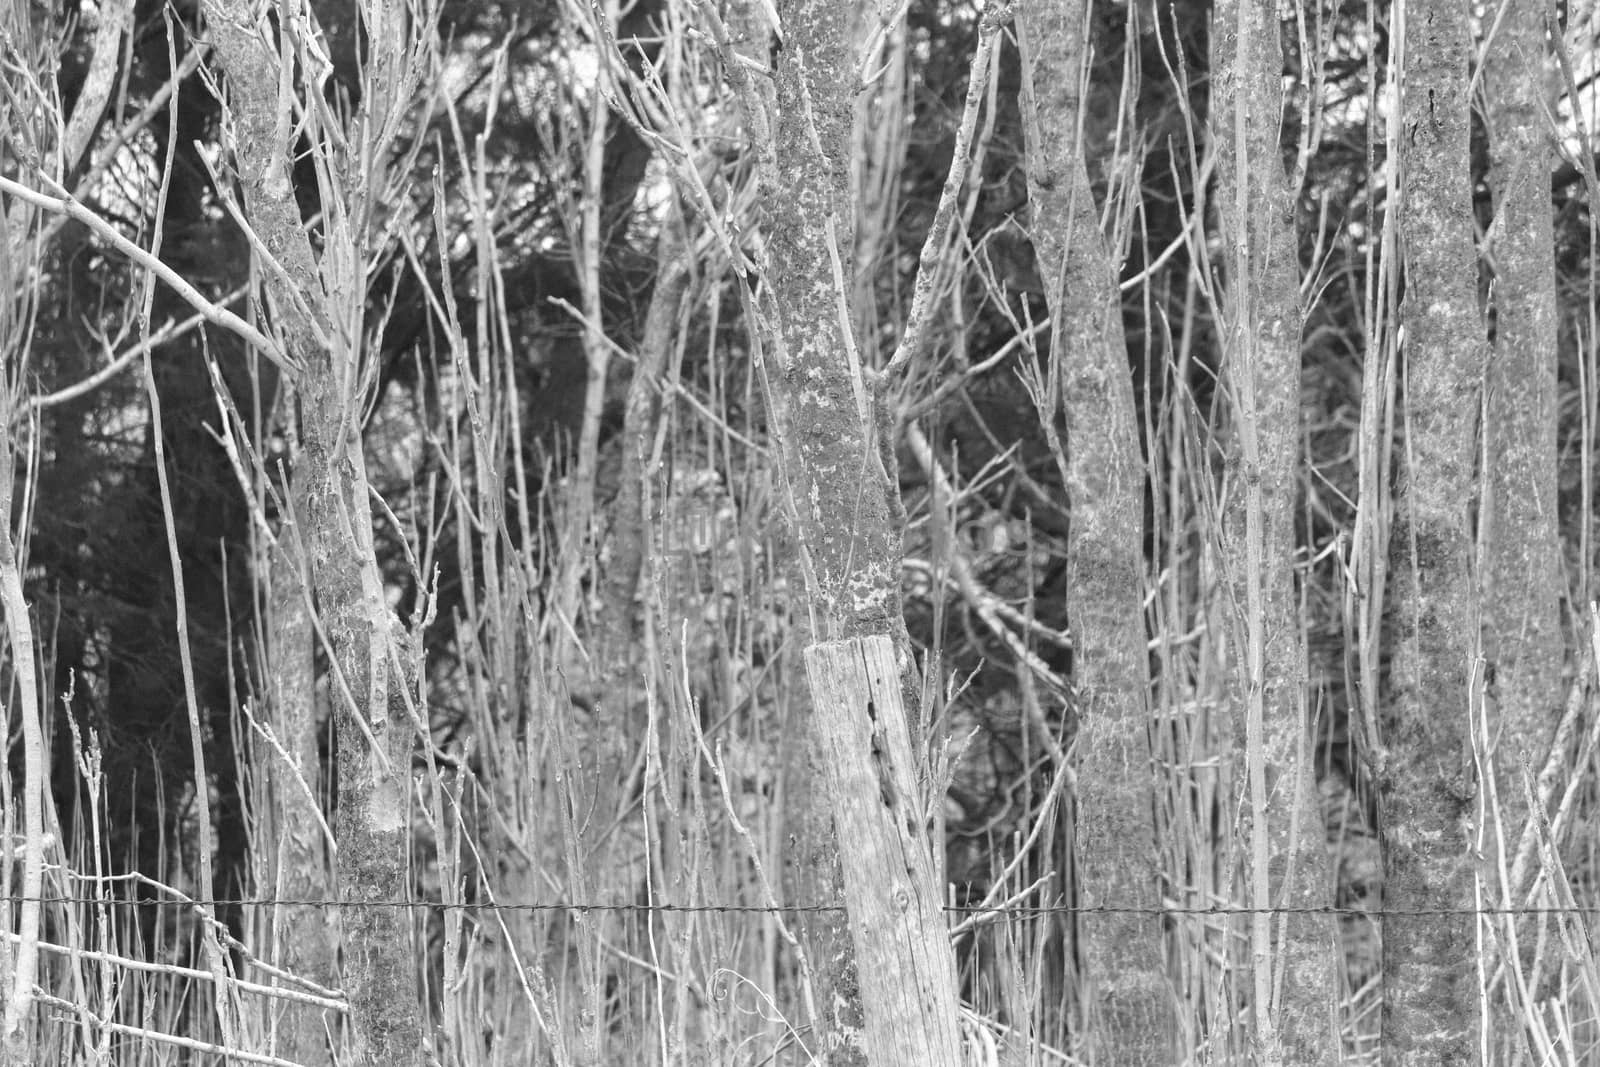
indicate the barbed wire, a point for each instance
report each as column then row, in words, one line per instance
column 996, row 910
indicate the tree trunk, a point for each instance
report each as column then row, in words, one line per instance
column 374, row 729
column 290, row 846
column 1522, row 581
column 19, row 965
column 1126, row 1001
column 843, row 507
column 1522, row 584
column 1424, row 770
column 22, row 847
column 1293, row 961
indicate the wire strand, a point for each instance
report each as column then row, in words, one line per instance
column 997, row 911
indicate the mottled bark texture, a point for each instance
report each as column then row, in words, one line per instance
column 290, row 849
column 1126, row 1003
column 837, row 477
column 842, row 501
column 812, row 874
column 1522, row 580
column 374, row 730
column 1293, row 955
column 1424, row 767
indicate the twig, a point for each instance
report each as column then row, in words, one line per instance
column 929, row 261
column 168, row 331
column 228, row 1054
column 63, row 203
column 239, row 984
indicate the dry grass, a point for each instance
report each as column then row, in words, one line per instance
column 699, row 957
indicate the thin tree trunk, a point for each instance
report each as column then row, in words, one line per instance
column 1293, row 954
column 21, row 256
column 1424, row 769
column 24, row 854
column 1522, row 550
column 620, row 724
column 294, row 854
column 19, row 967
column 1126, row 1003
column 843, row 509
column 605, row 757
column 374, row 729
column 812, row 875
column 1519, row 531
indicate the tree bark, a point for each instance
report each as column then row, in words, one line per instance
column 292, row 854
column 1126, row 1003
column 19, row 967
column 374, row 729
column 1519, row 526
column 1293, row 954
column 1522, row 576
column 844, row 507
column 1424, row 769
